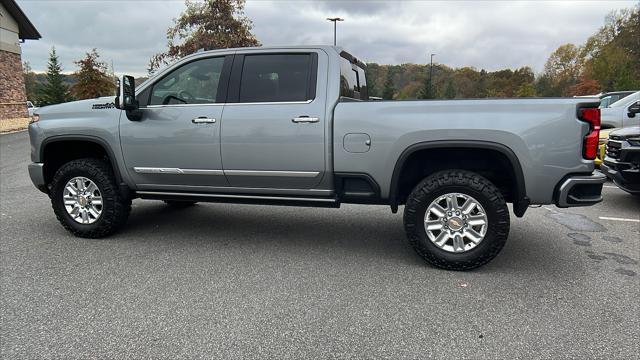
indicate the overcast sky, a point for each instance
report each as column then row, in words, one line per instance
column 489, row 35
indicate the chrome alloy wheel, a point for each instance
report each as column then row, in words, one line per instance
column 455, row 222
column 82, row 200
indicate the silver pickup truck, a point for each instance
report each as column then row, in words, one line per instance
column 295, row 126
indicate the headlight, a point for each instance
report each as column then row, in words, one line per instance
column 34, row 118
column 634, row 142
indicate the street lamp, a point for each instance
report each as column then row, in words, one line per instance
column 431, row 77
column 335, row 21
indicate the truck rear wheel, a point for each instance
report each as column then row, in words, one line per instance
column 86, row 199
column 456, row 220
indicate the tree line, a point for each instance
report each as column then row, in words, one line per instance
column 609, row 60
column 91, row 80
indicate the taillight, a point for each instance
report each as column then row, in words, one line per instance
column 590, row 142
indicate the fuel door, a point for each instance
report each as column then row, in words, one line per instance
column 357, row 142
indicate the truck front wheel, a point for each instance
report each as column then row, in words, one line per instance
column 456, row 220
column 86, row 199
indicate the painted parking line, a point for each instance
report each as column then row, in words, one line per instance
column 618, row 219
column 600, row 217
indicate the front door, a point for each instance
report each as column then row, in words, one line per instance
column 273, row 126
column 176, row 143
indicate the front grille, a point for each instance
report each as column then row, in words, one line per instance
column 613, row 148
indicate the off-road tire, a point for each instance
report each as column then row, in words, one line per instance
column 179, row 204
column 115, row 205
column 460, row 181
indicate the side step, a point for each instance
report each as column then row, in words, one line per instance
column 241, row 199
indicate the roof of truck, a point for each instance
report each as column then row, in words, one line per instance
column 338, row 49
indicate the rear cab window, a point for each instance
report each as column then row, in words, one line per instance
column 353, row 83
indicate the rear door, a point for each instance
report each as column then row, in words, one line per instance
column 273, row 126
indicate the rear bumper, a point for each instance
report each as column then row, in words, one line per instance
column 36, row 173
column 580, row 190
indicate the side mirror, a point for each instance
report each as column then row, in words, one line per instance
column 633, row 109
column 126, row 98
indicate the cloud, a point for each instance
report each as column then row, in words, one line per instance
column 490, row 35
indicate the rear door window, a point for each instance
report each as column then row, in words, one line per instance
column 276, row 78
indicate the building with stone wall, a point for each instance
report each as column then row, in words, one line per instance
column 15, row 27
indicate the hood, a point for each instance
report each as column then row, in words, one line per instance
column 625, row 133
column 105, row 102
column 88, row 107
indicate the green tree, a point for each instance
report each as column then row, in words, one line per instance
column 481, row 85
column 526, row 90
column 389, row 90
column 563, row 68
column 427, row 90
column 30, row 83
column 92, row 78
column 450, row 90
column 212, row 24
column 613, row 53
column 372, row 88
column 54, row 91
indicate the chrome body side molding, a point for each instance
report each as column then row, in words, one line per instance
column 176, row 171
column 304, row 174
column 271, row 173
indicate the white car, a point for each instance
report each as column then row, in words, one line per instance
column 617, row 115
column 31, row 108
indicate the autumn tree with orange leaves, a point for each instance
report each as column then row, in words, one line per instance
column 212, row 24
column 93, row 79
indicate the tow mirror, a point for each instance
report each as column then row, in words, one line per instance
column 126, row 99
column 633, row 109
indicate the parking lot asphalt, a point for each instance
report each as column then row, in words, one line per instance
column 238, row 281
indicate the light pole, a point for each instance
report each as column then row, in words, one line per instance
column 335, row 21
column 431, row 77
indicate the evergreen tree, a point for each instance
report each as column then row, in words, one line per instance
column 389, row 90
column 425, row 90
column 450, row 91
column 54, row 91
column 372, row 89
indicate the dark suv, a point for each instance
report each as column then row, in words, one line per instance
column 622, row 159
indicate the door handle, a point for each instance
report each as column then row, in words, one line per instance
column 305, row 119
column 203, row 120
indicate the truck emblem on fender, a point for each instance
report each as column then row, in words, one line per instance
column 103, row 106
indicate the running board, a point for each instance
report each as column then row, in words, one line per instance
column 241, row 199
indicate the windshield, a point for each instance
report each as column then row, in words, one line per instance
column 604, row 103
column 626, row 100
